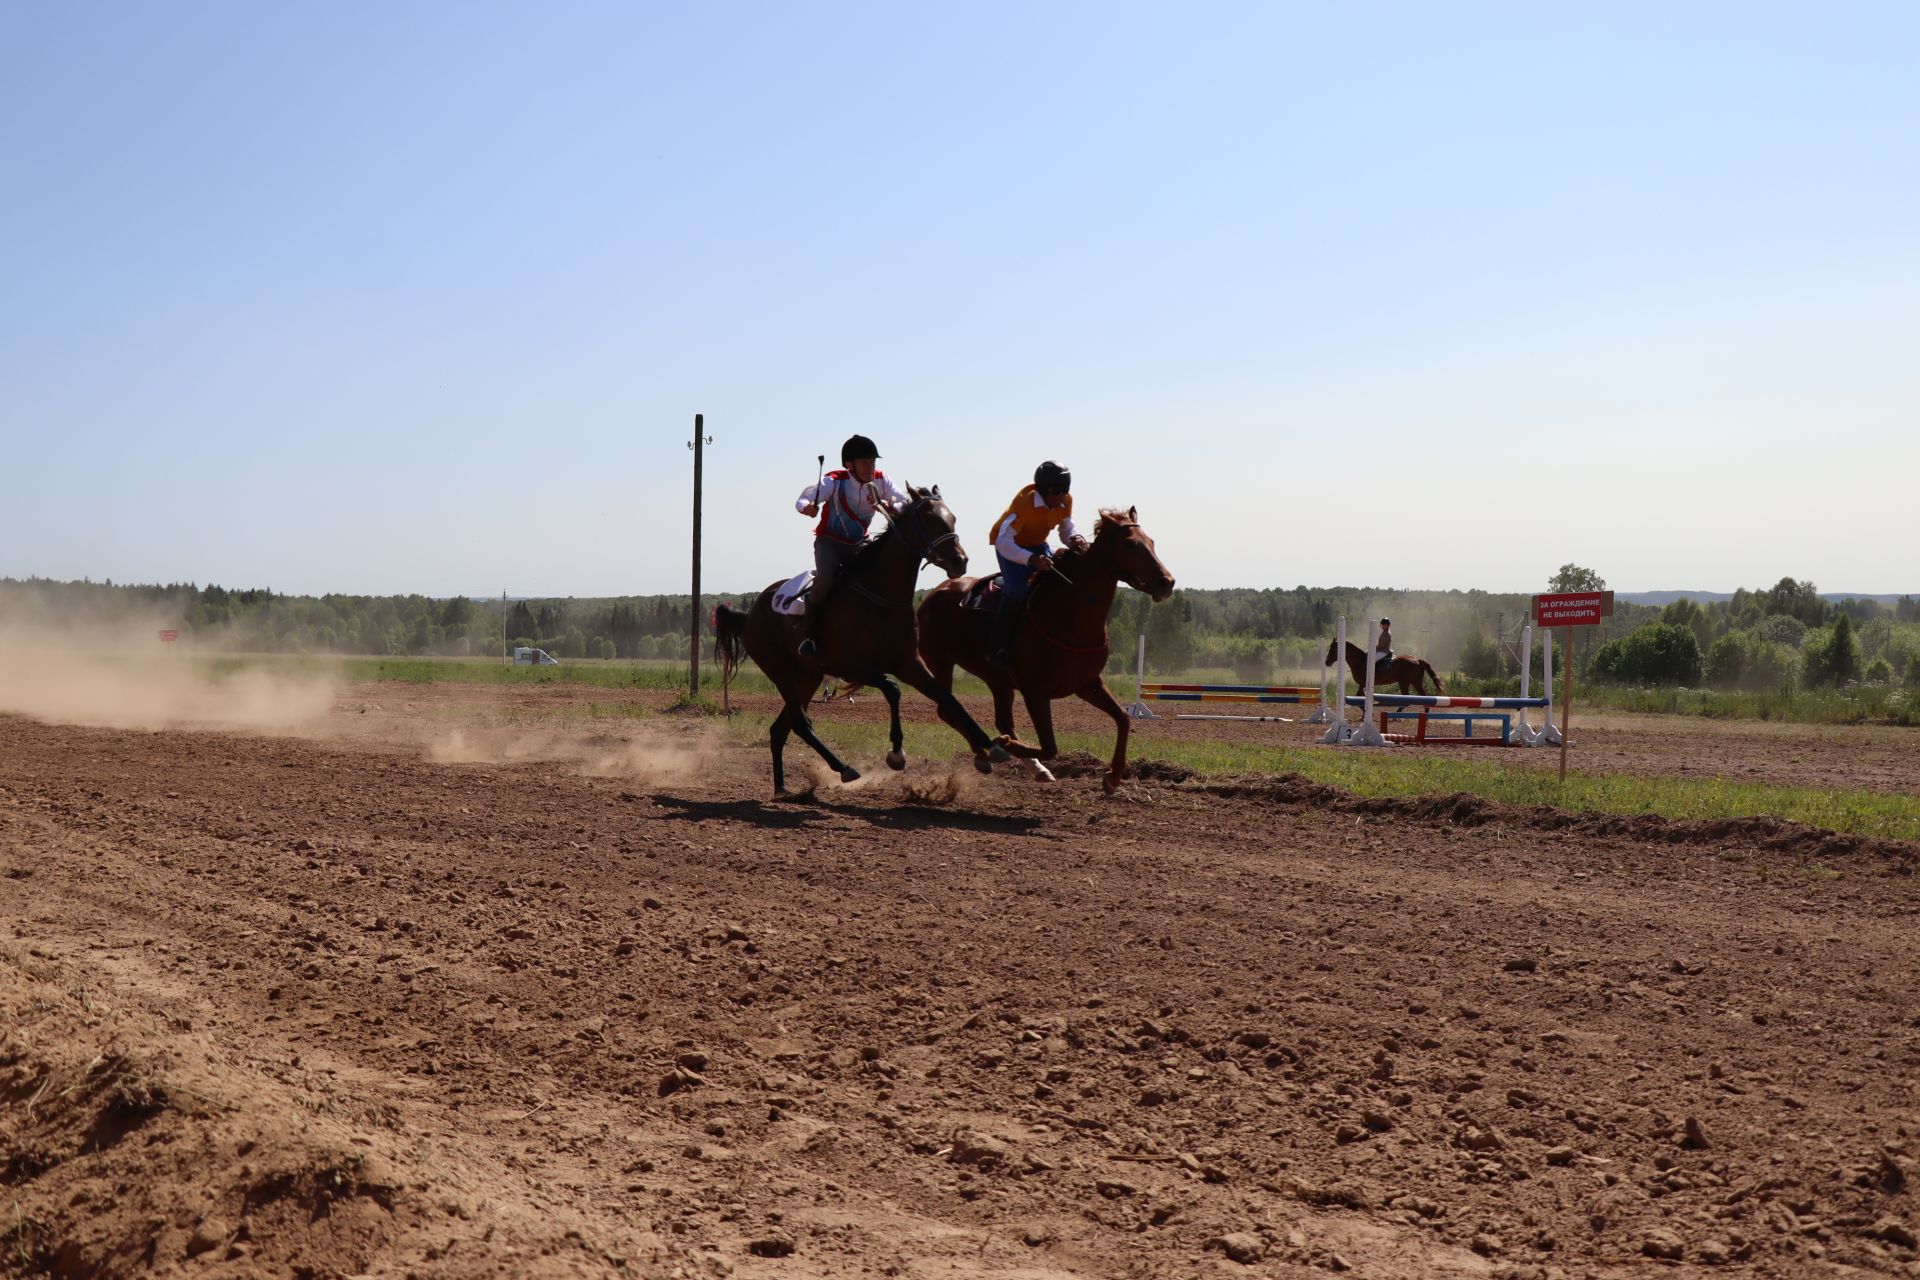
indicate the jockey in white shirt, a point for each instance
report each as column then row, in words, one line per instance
column 846, row 502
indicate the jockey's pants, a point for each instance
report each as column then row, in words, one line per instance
column 828, row 555
column 1017, row 579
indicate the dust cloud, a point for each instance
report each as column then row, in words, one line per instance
column 654, row 756
column 111, row 676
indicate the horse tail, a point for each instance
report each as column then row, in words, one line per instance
column 729, row 639
column 1428, row 668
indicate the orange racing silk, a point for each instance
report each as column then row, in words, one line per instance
column 1029, row 519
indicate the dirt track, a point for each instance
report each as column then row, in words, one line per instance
column 287, row 1007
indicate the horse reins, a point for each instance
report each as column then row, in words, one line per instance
column 926, row 550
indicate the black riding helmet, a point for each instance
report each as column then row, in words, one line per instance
column 858, row 447
column 1050, row 476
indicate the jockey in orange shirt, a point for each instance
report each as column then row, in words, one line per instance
column 1020, row 540
column 846, row 502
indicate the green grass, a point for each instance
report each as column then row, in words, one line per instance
column 1418, row 773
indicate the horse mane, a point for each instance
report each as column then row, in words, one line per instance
column 867, row 552
column 1113, row 523
column 870, row 549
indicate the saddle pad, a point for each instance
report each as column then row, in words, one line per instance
column 790, row 597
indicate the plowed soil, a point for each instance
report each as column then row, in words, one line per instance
column 552, row 1001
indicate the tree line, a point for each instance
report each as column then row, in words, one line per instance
column 1786, row 636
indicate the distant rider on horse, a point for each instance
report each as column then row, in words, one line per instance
column 1383, row 647
column 845, row 501
column 1020, row 540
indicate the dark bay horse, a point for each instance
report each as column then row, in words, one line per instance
column 1063, row 648
column 866, row 636
column 1409, row 673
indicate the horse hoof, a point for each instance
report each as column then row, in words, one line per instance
column 982, row 763
column 1112, row 783
column 849, row 774
column 998, row 754
column 896, row 760
column 1039, row 772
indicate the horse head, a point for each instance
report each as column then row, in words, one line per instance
column 1138, row 563
column 929, row 528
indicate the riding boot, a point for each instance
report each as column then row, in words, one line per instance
column 1005, row 632
column 816, row 609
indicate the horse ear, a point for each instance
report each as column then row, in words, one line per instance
column 934, row 492
column 1133, row 514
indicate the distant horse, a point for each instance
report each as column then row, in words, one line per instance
column 866, row 636
column 840, row 691
column 1409, row 673
column 1063, row 648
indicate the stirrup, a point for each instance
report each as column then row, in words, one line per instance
column 808, row 649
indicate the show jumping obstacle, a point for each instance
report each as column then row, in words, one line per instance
column 1377, row 709
column 1421, row 707
column 1160, row 691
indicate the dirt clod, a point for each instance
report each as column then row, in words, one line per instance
column 1662, row 1243
column 1243, row 1247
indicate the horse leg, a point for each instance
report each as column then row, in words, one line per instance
column 804, row 727
column 777, row 739
column 986, row 752
column 1002, row 690
column 896, row 758
column 1040, row 711
column 1095, row 693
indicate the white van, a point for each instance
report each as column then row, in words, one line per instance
column 533, row 658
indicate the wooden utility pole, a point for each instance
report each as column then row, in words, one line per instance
column 1566, row 706
column 698, row 444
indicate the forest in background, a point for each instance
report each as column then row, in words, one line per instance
column 1781, row 638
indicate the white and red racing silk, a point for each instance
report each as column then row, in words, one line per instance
column 847, row 507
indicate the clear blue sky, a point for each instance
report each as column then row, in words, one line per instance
column 423, row 297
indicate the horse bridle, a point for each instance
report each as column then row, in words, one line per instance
column 926, row 549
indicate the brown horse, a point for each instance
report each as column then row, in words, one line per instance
column 1063, row 647
column 867, row 635
column 1409, row 673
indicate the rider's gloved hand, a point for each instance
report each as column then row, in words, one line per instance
column 1041, row 563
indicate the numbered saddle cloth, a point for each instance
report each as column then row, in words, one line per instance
column 984, row 594
column 790, row 597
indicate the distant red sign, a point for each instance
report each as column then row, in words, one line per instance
column 169, row 635
column 1572, row 608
